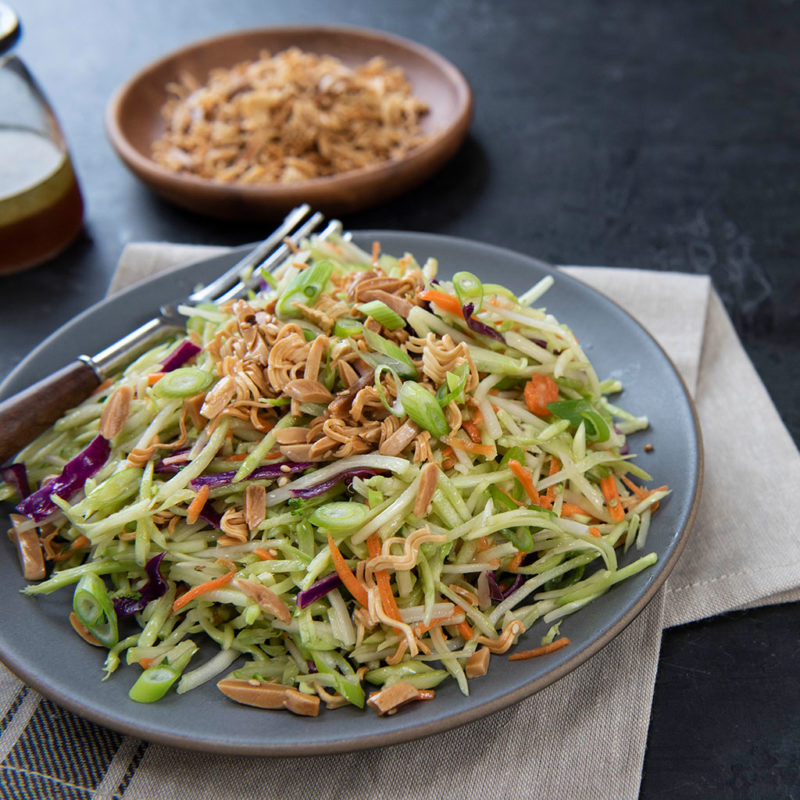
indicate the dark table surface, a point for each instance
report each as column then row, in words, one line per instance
column 661, row 135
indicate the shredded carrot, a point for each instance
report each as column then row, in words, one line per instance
column 146, row 663
column 472, row 429
column 471, row 447
column 570, row 509
column 103, row 386
column 539, row 391
column 477, row 416
column 235, row 457
column 382, row 579
column 483, row 544
column 208, row 586
column 555, row 466
column 526, row 479
column 595, row 532
column 376, row 251
column 155, row 378
column 351, row 583
column 443, row 300
column 263, row 554
column 540, row 651
column 609, row 488
column 196, row 506
column 513, row 565
column 465, row 629
column 637, row 490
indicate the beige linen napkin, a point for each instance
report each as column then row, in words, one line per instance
column 584, row 736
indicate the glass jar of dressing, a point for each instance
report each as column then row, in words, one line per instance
column 41, row 209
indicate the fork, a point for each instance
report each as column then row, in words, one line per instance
column 24, row 415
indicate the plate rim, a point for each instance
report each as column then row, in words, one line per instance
column 412, row 732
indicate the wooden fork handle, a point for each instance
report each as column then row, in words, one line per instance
column 25, row 415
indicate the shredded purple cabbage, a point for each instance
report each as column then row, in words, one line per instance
column 17, row 476
column 211, row 516
column 215, row 479
column 39, row 506
column 180, row 355
column 478, row 326
column 319, row 488
column 318, row 589
column 496, row 593
column 155, row 587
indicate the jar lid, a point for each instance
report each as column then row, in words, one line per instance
column 9, row 27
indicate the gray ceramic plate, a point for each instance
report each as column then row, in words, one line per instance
column 37, row 642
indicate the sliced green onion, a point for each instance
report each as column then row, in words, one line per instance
column 347, row 326
column 339, row 517
column 396, row 409
column 305, row 288
column 153, row 683
column 496, row 288
column 468, row 288
column 521, row 538
column 93, row 607
column 389, row 353
column 577, row 411
column 183, row 382
column 454, row 385
column 423, row 408
column 380, row 312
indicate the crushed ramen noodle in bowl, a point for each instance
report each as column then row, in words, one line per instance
column 250, row 124
column 357, row 483
column 289, row 117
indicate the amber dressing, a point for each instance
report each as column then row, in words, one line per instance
column 41, row 208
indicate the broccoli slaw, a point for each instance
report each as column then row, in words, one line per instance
column 358, row 477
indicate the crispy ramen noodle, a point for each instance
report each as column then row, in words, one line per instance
column 288, row 117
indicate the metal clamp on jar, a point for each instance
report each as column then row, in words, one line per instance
column 41, row 209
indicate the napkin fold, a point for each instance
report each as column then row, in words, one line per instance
column 583, row 736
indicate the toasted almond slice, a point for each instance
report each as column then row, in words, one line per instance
column 255, row 505
column 262, row 694
column 115, row 412
column 427, row 486
column 348, row 375
column 397, row 304
column 478, row 663
column 29, row 549
column 387, row 701
column 265, row 598
column 291, row 435
column 307, row 391
column 297, row 452
column 400, row 439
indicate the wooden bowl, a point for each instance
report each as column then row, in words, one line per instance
column 133, row 122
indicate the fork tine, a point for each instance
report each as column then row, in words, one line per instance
column 281, row 253
column 230, row 277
